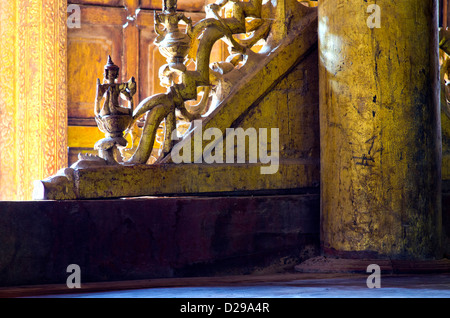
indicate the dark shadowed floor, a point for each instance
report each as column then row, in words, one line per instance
column 299, row 285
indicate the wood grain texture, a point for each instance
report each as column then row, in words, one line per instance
column 183, row 5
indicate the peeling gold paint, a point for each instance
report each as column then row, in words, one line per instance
column 380, row 156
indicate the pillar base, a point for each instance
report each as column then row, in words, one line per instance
column 322, row 264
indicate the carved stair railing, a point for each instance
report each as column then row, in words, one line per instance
column 230, row 89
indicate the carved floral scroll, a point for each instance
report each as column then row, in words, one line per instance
column 33, row 111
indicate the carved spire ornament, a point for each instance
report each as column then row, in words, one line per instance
column 112, row 119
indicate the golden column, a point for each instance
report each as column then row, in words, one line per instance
column 380, row 128
column 33, row 109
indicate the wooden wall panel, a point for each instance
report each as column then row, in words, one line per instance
column 444, row 14
column 100, row 35
column 87, row 56
column 183, row 5
column 112, row 3
column 151, row 59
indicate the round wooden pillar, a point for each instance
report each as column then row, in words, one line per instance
column 380, row 129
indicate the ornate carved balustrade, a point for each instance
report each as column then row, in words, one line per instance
column 285, row 32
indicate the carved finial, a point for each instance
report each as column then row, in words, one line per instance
column 169, row 6
column 110, row 64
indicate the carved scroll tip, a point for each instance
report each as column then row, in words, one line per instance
column 38, row 190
